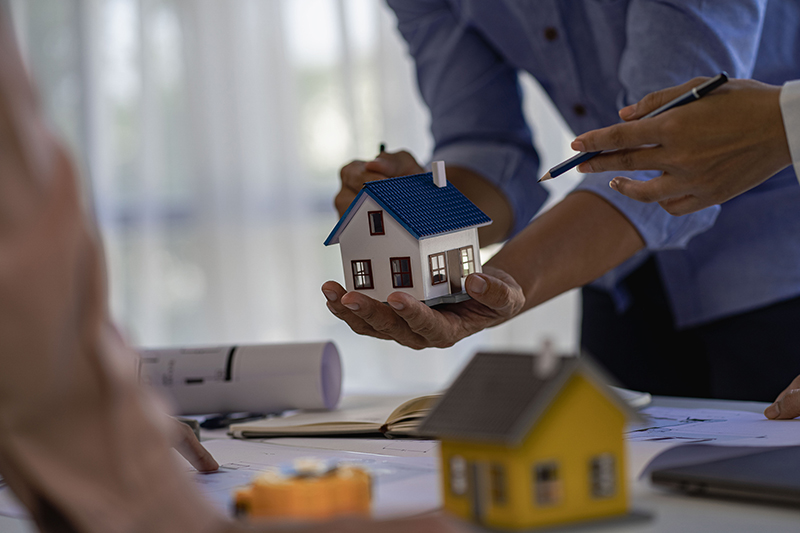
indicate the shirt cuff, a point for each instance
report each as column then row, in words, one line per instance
column 509, row 168
column 790, row 109
column 659, row 229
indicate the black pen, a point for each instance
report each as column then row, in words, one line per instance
column 695, row 94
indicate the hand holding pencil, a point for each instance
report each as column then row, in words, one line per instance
column 708, row 152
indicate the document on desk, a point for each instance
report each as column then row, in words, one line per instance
column 664, row 428
column 714, row 426
column 402, row 486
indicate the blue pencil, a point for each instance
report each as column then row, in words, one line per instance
column 690, row 96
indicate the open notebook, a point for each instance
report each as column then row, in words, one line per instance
column 359, row 415
column 389, row 415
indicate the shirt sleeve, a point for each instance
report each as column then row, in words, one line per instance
column 790, row 110
column 475, row 103
column 670, row 42
column 81, row 445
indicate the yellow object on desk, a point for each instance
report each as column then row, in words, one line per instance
column 308, row 490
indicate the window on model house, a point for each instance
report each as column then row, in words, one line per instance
column 438, row 268
column 547, row 484
column 375, row 222
column 467, row 261
column 458, row 475
column 603, row 476
column 497, row 481
column 401, row 272
column 362, row 274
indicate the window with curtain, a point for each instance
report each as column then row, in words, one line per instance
column 210, row 135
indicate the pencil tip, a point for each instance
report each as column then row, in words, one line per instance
column 546, row 177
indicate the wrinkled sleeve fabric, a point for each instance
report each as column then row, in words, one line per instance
column 475, row 103
column 790, row 110
column 670, row 42
column 81, row 445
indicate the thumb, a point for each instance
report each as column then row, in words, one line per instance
column 504, row 298
column 785, row 408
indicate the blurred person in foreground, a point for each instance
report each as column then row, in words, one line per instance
column 709, row 152
column 82, row 446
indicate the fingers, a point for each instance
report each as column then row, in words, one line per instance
column 684, row 205
column 657, row 189
column 353, row 176
column 495, row 298
column 333, row 293
column 394, row 164
column 656, row 99
column 505, row 298
column 638, row 159
column 795, row 384
column 618, row 137
column 786, row 407
column 191, row 449
column 424, row 327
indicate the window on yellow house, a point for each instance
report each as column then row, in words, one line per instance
column 458, row 475
column 547, row 484
column 497, row 477
column 603, row 476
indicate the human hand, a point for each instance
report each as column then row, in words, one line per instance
column 496, row 297
column 189, row 447
column 386, row 165
column 708, row 151
column 787, row 405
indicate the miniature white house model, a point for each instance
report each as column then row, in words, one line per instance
column 416, row 234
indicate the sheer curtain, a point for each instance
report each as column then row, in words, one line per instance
column 211, row 133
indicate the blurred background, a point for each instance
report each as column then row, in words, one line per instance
column 210, row 136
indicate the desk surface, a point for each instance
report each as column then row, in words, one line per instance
column 670, row 512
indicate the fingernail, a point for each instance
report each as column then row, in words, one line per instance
column 627, row 112
column 330, row 295
column 578, row 146
column 477, row 284
column 397, row 306
column 585, row 168
column 773, row 411
column 614, row 184
column 352, row 307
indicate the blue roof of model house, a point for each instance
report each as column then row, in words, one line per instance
column 421, row 207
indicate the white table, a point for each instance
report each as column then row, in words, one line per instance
column 670, row 512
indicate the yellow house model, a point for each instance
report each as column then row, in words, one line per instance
column 531, row 441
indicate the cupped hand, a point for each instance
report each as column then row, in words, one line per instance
column 496, row 297
column 356, row 173
column 708, row 151
column 787, row 405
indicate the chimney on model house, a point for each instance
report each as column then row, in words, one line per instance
column 439, row 177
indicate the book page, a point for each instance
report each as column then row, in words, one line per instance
column 369, row 412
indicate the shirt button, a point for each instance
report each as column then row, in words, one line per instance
column 579, row 110
column 550, row 33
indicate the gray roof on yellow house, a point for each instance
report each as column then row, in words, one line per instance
column 499, row 397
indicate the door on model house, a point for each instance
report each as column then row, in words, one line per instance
column 460, row 264
column 477, row 489
column 454, row 270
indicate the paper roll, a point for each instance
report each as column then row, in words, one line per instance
column 264, row 378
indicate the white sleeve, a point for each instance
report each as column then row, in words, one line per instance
column 790, row 109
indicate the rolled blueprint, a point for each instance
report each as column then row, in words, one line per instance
column 263, row 378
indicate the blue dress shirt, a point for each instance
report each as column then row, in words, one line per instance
column 592, row 57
